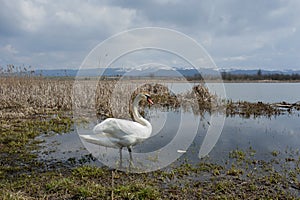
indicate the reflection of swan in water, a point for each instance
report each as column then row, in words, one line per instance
column 119, row 133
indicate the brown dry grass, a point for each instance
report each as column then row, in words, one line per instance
column 28, row 96
column 22, row 97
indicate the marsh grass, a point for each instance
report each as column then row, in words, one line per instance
column 19, row 150
column 31, row 106
column 205, row 180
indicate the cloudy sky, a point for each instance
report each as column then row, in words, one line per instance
column 237, row 34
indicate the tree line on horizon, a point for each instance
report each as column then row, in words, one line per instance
column 228, row 76
column 260, row 76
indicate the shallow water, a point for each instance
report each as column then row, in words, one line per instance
column 177, row 131
column 179, row 135
column 263, row 134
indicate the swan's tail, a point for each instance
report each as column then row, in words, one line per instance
column 100, row 140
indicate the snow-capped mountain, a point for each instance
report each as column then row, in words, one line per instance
column 152, row 71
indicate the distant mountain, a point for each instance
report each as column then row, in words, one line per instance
column 118, row 72
column 56, row 72
column 82, row 73
column 154, row 72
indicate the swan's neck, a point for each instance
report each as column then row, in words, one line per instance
column 136, row 115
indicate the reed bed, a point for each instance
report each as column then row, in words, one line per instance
column 26, row 97
column 22, row 97
column 30, row 96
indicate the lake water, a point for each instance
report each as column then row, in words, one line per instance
column 179, row 135
column 252, row 92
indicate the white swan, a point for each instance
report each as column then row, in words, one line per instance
column 119, row 133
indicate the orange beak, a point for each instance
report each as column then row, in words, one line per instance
column 150, row 100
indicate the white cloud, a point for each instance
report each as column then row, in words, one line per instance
column 9, row 49
column 32, row 15
column 68, row 18
column 234, row 58
column 94, row 17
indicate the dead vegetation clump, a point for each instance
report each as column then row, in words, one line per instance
column 247, row 109
column 160, row 94
column 114, row 99
column 200, row 100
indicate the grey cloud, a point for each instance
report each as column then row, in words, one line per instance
column 60, row 28
column 244, row 33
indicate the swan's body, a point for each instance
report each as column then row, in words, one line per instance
column 119, row 133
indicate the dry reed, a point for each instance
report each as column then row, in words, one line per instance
column 23, row 96
column 29, row 96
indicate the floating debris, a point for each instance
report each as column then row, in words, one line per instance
column 181, row 151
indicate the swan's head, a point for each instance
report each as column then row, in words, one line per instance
column 149, row 100
column 146, row 96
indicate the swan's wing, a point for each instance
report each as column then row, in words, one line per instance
column 101, row 140
column 119, row 128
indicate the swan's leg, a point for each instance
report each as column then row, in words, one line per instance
column 130, row 155
column 120, row 152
